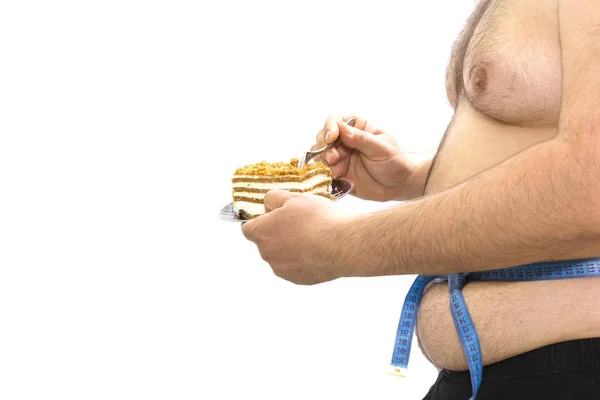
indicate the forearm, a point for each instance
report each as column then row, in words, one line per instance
column 538, row 205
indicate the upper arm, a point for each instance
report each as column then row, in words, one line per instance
column 579, row 22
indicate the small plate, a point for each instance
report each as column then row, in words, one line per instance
column 339, row 188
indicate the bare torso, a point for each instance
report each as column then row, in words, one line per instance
column 504, row 81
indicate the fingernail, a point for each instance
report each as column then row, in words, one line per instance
column 327, row 136
column 328, row 156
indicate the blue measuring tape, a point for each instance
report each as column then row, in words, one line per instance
column 463, row 323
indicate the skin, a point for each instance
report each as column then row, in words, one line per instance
column 534, row 196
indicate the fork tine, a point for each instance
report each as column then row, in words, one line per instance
column 302, row 161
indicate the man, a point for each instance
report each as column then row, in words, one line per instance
column 516, row 180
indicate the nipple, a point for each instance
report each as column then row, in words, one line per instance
column 479, row 78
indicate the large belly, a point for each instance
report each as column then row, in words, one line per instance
column 511, row 318
column 475, row 143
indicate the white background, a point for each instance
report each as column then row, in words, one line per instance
column 121, row 123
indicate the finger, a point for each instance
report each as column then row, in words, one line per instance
column 328, row 157
column 339, row 161
column 336, row 154
column 331, row 130
column 343, row 153
column 337, row 171
column 330, row 133
column 332, row 156
column 275, row 199
column 367, row 143
column 248, row 230
column 364, row 125
column 320, row 143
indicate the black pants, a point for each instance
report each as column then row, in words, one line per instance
column 568, row 370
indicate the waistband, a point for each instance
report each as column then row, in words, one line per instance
column 575, row 356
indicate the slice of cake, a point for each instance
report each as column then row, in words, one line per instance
column 250, row 183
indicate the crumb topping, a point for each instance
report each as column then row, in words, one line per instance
column 281, row 168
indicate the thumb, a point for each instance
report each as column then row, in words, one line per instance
column 370, row 145
column 276, row 198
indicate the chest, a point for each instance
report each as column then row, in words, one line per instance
column 507, row 62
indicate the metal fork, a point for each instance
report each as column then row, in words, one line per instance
column 309, row 155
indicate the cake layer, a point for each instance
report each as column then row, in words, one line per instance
column 295, row 178
column 256, row 206
column 253, row 209
column 306, row 184
column 259, row 197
